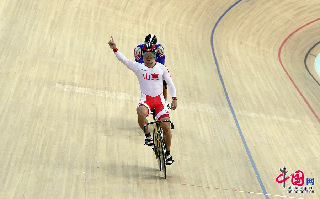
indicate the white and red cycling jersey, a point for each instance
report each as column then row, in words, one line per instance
column 151, row 84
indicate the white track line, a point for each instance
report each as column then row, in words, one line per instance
column 205, row 108
column 234, row 190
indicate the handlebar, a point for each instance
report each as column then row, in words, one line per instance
column 158, row 122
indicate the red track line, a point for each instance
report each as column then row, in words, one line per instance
column 279, row 55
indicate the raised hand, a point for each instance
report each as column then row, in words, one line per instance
column 112, row 44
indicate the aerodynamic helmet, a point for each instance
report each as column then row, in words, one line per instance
column 150, row 49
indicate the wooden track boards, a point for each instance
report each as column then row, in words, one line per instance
column 68, row 123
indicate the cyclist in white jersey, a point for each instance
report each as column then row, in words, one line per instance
column 160, row 56
column 151, row 75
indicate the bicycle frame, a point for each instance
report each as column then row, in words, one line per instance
column 158, row 143
column 157, row 131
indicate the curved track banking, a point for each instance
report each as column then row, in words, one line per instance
column 306, row 65
column 279, row 55
column 229, row 102
column 68, row 107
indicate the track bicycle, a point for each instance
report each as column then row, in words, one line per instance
column 158, row 142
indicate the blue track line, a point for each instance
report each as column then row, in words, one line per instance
column 231, row 108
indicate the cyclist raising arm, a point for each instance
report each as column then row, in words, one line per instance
column 151, row 75
column 160, row 56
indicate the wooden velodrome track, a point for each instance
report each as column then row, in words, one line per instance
column 68, row 124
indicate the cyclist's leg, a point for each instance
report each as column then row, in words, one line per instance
column 142, row 112
column 162, row 113
column 167, row 135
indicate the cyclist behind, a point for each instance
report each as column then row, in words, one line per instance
column 151, row 75
column 160, row 57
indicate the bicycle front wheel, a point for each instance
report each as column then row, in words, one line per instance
column 157, row 149
column 163, row 159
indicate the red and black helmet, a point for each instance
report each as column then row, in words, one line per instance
column 148, row 47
